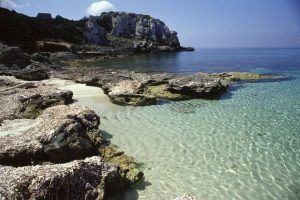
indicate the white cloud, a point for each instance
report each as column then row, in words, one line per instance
column 11, row 4
column 97, row 8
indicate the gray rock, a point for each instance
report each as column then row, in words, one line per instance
column 32, row 73
column 21, row 99
column 128, row 93
column 142, row 27
column 198, row 85
column 94, row 33
column 61, row 134
column 165, row 48
column 10, row 56
column 87, row 179
column 123, row 25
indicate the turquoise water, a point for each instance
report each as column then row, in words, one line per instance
column 244, row 146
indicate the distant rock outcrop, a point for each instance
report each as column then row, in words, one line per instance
column 140, row 27
column 95, row 33
column 135, row 32
column 44, row 16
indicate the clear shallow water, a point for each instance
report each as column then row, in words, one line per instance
column 243, row 146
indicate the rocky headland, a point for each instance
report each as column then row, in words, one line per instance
column 60, row 153
column 114, row 32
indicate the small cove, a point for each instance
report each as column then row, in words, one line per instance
column 244, row 146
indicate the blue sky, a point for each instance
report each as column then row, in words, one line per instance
column 200, row 23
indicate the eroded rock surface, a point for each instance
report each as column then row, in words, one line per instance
column 61, row 134
column 197, row 85
column 138, row 89
column 95, row 33
column 91, row 179
column 129, row 93
column 32, row 73
column 27, row 100
column 13, row 56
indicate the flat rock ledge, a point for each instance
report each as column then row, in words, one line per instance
column 91, row 178
column 125, row 87
column 45, row 161
column 19, row 99
column 139, row 89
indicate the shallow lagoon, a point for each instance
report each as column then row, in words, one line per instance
column 244, row 146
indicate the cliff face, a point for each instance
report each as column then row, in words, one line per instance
column 115, row 29
column 136, row 26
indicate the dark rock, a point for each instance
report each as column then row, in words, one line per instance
column 10, row 56
column 41, row 57
column 44, row 16
column 32, row 73
column 87, row 179
column 53, row 46
column 188, row 49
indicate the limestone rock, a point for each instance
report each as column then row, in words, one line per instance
column 10, row 56
column 198, row 85
column 142, row 27
column 94, row 33
column 87, row 179
column 128, row 93
column 21, row 99
column 62, row 133
column 123, row 25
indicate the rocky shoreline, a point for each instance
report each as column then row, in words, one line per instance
column 53, row 160
column 50, row 149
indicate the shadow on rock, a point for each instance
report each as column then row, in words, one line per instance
column 132, row 193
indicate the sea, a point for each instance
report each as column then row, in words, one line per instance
column 245, row 145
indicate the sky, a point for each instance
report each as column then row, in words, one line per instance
column 199, row 23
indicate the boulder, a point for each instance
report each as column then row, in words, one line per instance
column 41, row 57
column 198, row 85
column 129, row 93
column 32, row 73
column 87, row 179
column 10, row 56
column 61, row 134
